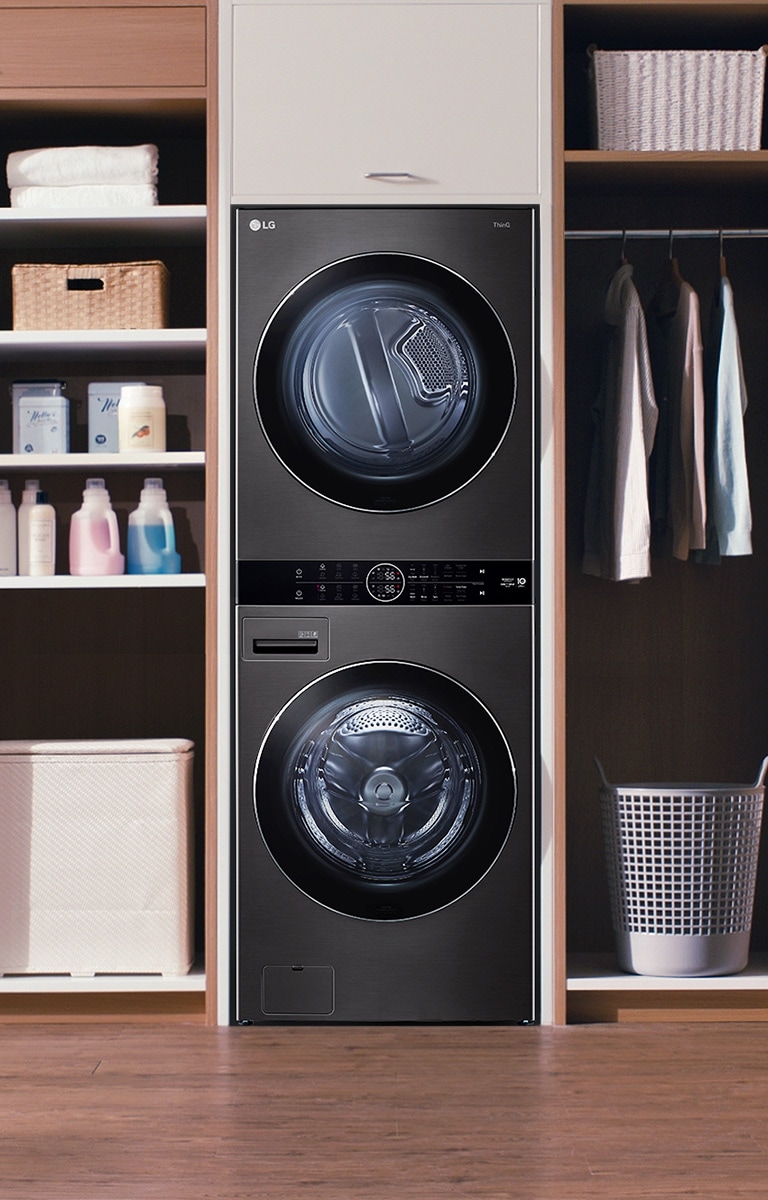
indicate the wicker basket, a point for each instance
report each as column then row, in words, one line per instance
column 677, row 99
column 682, row 867
column 131, row 295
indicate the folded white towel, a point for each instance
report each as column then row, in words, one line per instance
column 71, row 165
column 103, row 195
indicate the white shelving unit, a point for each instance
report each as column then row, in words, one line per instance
column 163, row 225
column 45, row 583
column 175, row 354
column 122, row 656
column 598, row 973
column 167, row 460
column 26, row 985
column 102, row 343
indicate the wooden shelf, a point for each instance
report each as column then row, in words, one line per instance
column 600, row 168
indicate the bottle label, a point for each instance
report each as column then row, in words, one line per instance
column 140, row 429
column 41, row 543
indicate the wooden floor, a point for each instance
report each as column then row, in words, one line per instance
column 387, row 1113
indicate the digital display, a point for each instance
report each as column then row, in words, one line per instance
column 329, row 582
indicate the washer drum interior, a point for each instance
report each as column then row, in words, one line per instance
column 375, row 799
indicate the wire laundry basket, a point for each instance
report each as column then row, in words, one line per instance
column 682, row 866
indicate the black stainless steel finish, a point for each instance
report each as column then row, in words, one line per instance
column 384, row 819
column 385, row 386
column 385, row 382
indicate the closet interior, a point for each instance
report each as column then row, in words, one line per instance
column 665, row 677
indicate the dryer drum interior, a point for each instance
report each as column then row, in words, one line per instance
column 385, row 382
column 385, row 791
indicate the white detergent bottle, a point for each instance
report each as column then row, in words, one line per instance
column 42, row 536
column 7, row 531
column 141, row 418
column 31, row 488
column 94, row 538
column 151, row 548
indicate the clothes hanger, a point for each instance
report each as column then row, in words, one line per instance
column 623, row 261
column 673, row 267
column 723, row 263
column 668, row 292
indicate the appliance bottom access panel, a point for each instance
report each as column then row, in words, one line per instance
column 384, row 818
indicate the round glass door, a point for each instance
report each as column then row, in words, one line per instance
column 384, row 382
column 373, row 790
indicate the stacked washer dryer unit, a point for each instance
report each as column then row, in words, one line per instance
column 385, row 809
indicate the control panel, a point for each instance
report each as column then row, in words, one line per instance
column 416, row 582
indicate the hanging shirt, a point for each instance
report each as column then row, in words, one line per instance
column 679, row 467
column 617, row 522
column 729, row 516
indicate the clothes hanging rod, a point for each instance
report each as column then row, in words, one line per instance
column 635, row 234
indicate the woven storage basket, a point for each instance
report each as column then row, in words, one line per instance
column 677, row 99
column 682, row 866
column 131, row 295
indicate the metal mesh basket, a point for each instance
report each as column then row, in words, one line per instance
column 682, row 865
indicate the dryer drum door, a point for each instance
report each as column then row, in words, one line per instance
column 385, row 790
column 385, row 382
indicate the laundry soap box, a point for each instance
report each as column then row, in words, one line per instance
column 103, row 403
column 40, row 417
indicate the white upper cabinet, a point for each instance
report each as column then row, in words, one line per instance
column 387, row 103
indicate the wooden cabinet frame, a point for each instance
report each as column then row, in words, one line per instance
column 180, row 88
column 605, row 190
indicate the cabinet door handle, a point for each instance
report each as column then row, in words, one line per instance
column 390, row 175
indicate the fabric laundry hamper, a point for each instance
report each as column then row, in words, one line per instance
column 682, row 866
column 95, row 857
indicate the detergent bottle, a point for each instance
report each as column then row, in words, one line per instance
column 151, row 548
column 42, row 536
column 94, row 538
column 28, row 496
column 7, row 530
column 141, row 418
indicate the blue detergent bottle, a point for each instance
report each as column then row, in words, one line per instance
column 151, row 547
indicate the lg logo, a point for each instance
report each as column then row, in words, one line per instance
column 256, row 224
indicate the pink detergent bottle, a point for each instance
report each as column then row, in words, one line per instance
column 94, row 538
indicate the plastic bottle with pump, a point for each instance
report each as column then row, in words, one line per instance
column 42, row 536
column 7, row 531
column 94, row 538
column 151, row 548
column 31, row 488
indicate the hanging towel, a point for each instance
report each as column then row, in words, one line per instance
column 103, row 195
column 617, row 522
column 729, row 516
column 678, row 469
column 69, row 166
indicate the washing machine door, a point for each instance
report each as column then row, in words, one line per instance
column 385, row 791
column 385, row 382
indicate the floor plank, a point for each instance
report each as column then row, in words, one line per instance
column 384, row 1113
